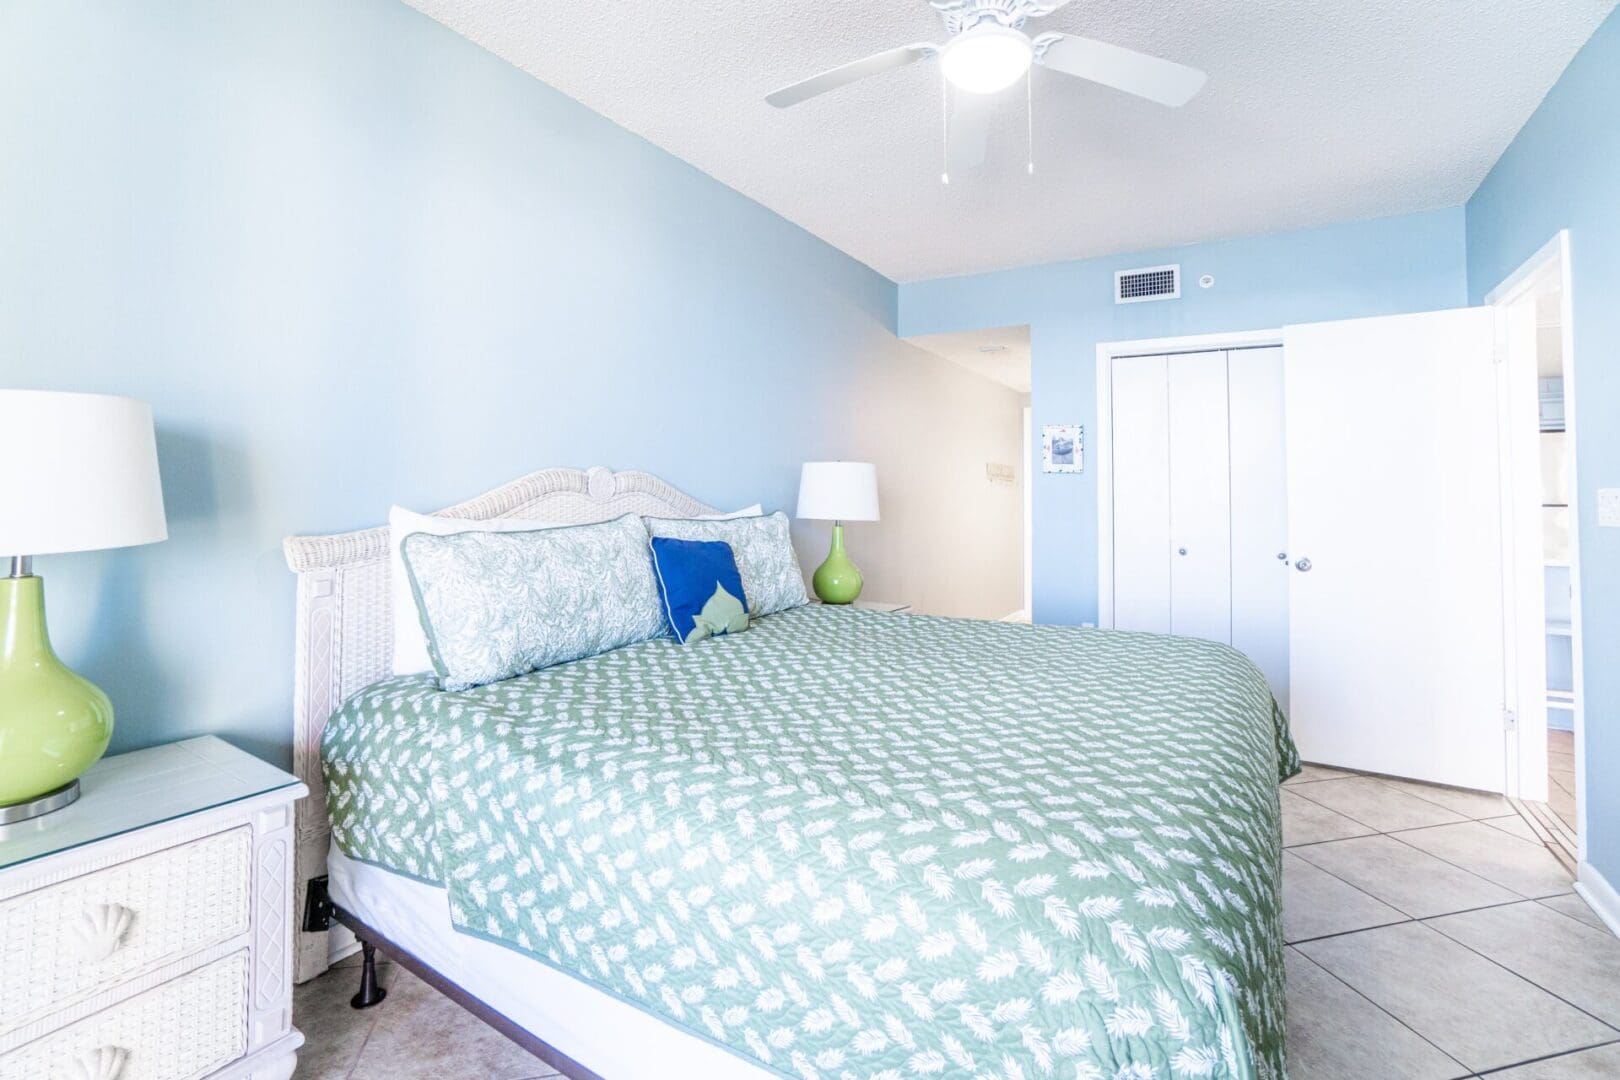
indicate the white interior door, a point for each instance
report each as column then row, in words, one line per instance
column 1200, row 499
column 1260, row 567
column 1141, row 449
column 1395, row 612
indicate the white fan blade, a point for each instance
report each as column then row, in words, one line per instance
column 843, row 76
column 969, row 130
column 1136, row 73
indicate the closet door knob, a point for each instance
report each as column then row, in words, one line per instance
column 1303, row 566
column 1282, row 556
column 1182, row 551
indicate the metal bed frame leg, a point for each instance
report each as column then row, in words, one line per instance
column 371, row 992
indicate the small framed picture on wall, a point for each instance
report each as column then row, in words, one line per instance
column 1063, row 448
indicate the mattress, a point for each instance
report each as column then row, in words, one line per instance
column 610, row 1037
column 846, row 841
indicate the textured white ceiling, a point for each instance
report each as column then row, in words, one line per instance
column 1316, row 111
column 1000, row 354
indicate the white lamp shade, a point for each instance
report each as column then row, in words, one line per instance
column 78, row 472
column 838, row 491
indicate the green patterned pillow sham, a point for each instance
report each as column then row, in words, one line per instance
column 770, row 572
column 495, row 605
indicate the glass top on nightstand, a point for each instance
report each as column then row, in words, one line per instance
column 125, row 792
column 871, row 605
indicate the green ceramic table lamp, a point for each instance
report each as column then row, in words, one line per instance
column 838, row 491
column 78, row 472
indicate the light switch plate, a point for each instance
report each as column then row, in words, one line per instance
column 1609, row 507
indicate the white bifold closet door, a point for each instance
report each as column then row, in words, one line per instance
column 1141, row 449
column 1199, row 501
column 1394, row 505
column 1196, row 529
column 1259, row 513
column 1200, row 497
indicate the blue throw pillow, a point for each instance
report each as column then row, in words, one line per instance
column 702, row 591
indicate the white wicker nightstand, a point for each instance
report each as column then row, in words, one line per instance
column 146, row 930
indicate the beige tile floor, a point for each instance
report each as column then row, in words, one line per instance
column 1430, row 936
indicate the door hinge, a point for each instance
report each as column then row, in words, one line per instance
column 1510, row 719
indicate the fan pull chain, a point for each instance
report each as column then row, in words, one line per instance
column 1029, row 114
column 945, row 130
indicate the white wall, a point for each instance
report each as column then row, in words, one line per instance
column 950, row 542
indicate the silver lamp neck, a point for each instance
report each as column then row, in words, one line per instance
column 22, row 566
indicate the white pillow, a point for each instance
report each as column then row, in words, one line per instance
column 748, row 511
column 410, row 644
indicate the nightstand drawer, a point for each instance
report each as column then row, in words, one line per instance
column 66, row 941
column 184, row 1028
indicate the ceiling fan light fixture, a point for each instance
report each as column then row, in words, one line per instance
column 987, row 58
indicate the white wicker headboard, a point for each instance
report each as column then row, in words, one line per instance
column 346, row 632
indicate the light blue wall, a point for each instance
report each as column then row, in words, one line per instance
column 1383, row 267
column 1563, row 171
column 352, row 259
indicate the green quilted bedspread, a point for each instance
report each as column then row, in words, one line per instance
column 851, row 844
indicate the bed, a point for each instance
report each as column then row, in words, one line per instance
column 844, row 843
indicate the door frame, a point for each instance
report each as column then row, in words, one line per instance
column 1031, row 450
column 1529, row 779
column 1102, row 447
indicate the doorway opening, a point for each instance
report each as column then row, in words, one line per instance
column 1539, row 533
column 995, row 460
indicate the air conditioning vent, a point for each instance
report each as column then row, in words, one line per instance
column 1148, row 283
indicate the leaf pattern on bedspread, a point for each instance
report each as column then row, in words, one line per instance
column 854, row 844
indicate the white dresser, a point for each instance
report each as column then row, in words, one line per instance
column 146, row 930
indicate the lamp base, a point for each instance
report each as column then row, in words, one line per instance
column 54, row 723
column 838, row 580
column 51, row 801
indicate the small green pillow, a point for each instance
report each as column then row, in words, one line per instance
column 723, row 614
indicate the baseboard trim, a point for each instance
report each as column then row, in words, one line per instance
column 341, row 944
column 1596, row 891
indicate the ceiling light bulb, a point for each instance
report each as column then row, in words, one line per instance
column 987, row 58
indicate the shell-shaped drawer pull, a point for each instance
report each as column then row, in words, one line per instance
column 102, row 1063
column 101, row 930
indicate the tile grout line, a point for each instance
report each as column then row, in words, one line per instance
column 359, row 1051
column 1423, row 918
column 1547, row 1057
column 1517, row 975
column 1577, row 920
column 1335, row 976
column 1461, row 818
column 1357, row 888
column 1516, row 900
column 1390, row 783
column 1519, row 898
column 1395, row 837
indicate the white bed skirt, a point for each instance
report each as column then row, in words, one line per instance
column 613, row 1039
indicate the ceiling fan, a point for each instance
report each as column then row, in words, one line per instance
column 988, row 51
